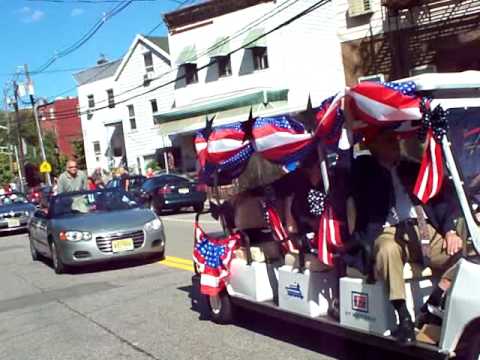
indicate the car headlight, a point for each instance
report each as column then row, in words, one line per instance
column 75, row 235
column 155, row 224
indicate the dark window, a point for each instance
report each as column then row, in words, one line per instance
column 96, row 147
column 224, row 66
column 260, row 58
column 91, row 101
column 191, row 75
column 154, row 105
column 147, row 57
column 111, row 99
column 131, row 117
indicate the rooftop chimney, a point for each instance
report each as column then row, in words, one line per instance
column 102, row 60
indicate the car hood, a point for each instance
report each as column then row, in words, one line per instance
column 17, row 207
column 105, row 222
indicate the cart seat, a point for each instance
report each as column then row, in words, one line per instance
column 410, row 271
column 311, row 262
column 261, row 252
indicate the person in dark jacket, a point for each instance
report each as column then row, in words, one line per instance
column 391, row 222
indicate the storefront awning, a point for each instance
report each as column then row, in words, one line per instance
column 221, row 47
column 188, row 55
column 229, row 103
column 252, row 41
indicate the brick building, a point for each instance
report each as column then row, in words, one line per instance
column 61, row 118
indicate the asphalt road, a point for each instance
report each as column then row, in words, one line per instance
column 138, row 311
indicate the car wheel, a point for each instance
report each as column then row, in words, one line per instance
column 58, row 265
column 221, row 308
column 198, row 208
column 33, row 252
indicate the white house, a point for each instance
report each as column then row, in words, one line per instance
column 121, row 128
column 251, row 63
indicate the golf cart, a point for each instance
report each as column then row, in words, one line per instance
column 296, row 290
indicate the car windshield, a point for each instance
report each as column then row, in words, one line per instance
column 464, row 132
column 11, row 198
column 92, row 201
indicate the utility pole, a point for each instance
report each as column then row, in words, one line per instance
column 21, row 156
column 31, row 93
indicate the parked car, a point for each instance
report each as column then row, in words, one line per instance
column 173, row 192
column 15, row 211
column 86, row 227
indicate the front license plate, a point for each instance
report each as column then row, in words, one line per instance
column 13, row 222
column 122, row 245
column 183, row 191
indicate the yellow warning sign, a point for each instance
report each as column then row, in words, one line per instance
column 45, row 167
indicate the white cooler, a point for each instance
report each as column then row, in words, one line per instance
column 366, row 306
column 250, row 281
column 308, row 294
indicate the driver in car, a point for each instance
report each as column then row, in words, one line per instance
column 391, row 222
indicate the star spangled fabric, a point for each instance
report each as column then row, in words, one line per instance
column 201, row 149
column 329, row 120
column 213, row 257
column 430, row 177
column 328, row 234
column 381, row 103
column 281, row 139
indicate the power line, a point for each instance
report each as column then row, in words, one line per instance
column 94, row 1
column 181, row 3
column 262, row 19
column 305, row 12
column 87, row 36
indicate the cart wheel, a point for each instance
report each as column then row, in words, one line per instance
column 474, row 348
column 221, row 308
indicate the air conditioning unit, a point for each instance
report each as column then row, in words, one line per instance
column 375, row 78
column 359, row 7
column 148, row 77
column 423, row 69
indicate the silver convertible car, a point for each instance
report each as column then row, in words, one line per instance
column 81, row 228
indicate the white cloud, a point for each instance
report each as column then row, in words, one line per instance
column 28, row 15
column 77, row 12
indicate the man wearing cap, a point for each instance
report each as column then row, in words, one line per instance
column 392, row 223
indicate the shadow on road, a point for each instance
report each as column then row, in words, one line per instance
column 297, row 335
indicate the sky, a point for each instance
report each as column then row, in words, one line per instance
column 35, row 30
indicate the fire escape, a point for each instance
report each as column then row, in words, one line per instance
column 428, row 35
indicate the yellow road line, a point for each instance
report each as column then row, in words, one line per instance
column 179, row 260
column 178, row 263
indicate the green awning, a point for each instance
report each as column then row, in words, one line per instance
column 250, row 40
column 214, row 106
column 188, row 55
column 221, row 47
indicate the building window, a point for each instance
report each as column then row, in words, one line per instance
column 111, row 98
column 131, row 117
column 224, row 66
column 96, row 147
column 191, row 76
column 91, row 101
column 148, row 59
column 52, row 113
column 260, row 58
column 154, row 105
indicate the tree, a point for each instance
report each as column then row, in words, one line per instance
column 79, row 153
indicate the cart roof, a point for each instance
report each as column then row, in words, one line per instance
column 443, row 81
